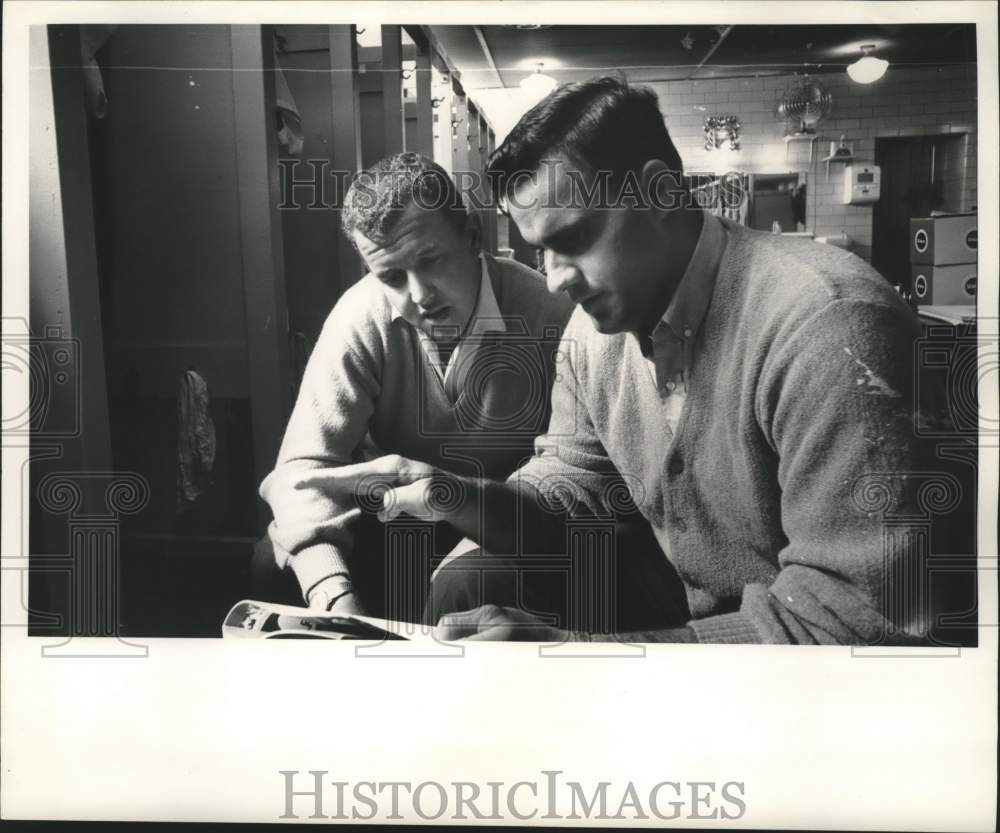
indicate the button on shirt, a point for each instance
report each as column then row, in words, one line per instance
column 668, row 349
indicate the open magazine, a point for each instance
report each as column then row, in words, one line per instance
column 250, row 619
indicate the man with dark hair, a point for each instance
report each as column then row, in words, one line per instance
column 753, row 391
column 441, row 354
column 603, row 127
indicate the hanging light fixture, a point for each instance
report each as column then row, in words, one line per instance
column 538, row 85
column 867, row 70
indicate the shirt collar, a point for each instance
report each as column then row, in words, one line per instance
column 689, row 304
column 486, row 317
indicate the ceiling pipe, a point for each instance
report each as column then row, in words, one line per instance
column 722, row 36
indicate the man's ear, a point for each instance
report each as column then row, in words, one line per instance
column 474, row 231
column 662, row 187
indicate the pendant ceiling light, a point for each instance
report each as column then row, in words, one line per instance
column 538, row 85
column 867, row 70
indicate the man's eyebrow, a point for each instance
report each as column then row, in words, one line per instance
column 563, row 231
column 379, row 267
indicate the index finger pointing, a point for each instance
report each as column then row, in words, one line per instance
column 338, row 479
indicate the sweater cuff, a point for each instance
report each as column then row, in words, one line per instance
column 316, row 563
column 727, row 628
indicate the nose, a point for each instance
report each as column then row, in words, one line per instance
column 420, row 293
column 561, row 274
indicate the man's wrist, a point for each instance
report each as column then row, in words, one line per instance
column 332, row 589
column 331, row 602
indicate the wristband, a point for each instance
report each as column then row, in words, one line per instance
column 331, row 601
column 333, row 590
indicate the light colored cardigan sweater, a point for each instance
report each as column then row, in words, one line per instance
column 369, row 389
column 799, row 398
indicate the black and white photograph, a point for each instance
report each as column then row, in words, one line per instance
column 615, row 384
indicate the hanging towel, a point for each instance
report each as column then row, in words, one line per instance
column 290, row 134
column 92, row 38
column 195, row 441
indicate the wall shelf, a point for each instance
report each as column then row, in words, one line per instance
column 806, row 137
column 836, row 158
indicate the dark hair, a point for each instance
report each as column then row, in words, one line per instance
column 600, row 125
column 379, row 194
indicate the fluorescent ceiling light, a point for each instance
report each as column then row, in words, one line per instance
column 867, row 70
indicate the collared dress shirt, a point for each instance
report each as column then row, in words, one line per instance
column 668, row 351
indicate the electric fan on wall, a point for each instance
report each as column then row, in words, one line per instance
column 804, row 104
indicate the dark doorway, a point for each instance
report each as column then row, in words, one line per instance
column 911, row 187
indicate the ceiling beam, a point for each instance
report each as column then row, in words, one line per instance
column 489, row 55
column 722, row 36
column 442, row 53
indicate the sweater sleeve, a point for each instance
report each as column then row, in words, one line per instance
column 329, row 421
column 836, row 401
